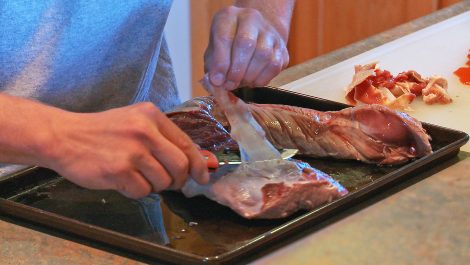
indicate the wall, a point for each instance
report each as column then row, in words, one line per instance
column 178, row 36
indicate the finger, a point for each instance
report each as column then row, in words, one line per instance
column 243, row 49
column 271, row 69
column 172, row 159
column 133, row 185
column 219, row 52
column 260, row 58
column 196, row 162
column 155, row 173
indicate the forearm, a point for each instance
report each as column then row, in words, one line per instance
column 26, row 130
column 278, row 12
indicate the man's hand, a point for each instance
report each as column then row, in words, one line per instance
column 247, row 45
column 134, row 150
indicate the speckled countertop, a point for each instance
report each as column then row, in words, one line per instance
column 422, row 221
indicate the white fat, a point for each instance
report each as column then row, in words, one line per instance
column 244, row 128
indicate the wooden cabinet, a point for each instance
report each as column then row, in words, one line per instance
column 321, row 26
column 318, row 26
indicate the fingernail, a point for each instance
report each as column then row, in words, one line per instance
column 217, row 79
column 229, row 85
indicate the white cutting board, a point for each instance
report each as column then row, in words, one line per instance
column 436, row 50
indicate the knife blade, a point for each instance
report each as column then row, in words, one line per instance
column 230, row 157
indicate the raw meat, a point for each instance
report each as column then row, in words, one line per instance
column 276, row 188
column 268, row 189
column 263, row 185
column 436, row 91
column 199, row 119
column 369, row 133
column 371, row 85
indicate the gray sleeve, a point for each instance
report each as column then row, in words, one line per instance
column 163, row 92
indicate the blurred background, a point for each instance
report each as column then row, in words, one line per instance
column 318, row 27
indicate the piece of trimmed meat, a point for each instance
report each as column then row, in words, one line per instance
column 371, row 85
column 369, row 133
column 268, row 189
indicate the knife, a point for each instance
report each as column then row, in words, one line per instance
column 232, row 157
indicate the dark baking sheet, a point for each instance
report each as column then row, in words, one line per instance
column 172, row 228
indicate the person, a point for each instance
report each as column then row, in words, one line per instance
column 72, row 98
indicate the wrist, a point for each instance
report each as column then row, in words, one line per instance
column 44, row 144
column 28, row 131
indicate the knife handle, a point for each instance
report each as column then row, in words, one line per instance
column 211, row 159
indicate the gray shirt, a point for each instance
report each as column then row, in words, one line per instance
column 85, row 55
